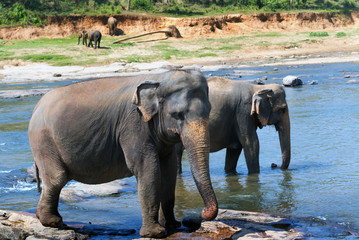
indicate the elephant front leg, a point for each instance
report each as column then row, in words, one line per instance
column 168, row 186
column 148, row 181
column 232, row 156
column 250, row 145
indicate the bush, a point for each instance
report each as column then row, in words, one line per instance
column 142, row 5
column 319, row 34
column 341, row 34
column 18, row 14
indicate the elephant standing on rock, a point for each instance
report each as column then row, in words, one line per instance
column 112, row 24
column 105, row 129
column 238, row 109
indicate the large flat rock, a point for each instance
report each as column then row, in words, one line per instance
column 230, row 224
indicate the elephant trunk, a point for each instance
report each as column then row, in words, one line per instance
column 283, row 128
column 195, row 138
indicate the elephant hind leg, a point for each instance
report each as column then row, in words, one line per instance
column 54, row 178
column 232, row 156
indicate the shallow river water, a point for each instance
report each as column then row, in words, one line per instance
column 319, row 191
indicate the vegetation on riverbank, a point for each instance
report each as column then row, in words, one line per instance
column 65, row 51
column 33, row 12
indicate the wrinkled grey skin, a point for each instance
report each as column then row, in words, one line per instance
column 238, row 109
column 112, row 24
column 101, row 130
column 92, row 36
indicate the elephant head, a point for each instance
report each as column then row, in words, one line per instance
column 269, row 107
column 179, row 108
column 81, row 34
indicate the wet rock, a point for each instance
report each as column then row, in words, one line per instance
column 192, row 222
column 313, row 83
column 247, row 225
column 20, row 225
column 57, row 75
column 229, row 224
column 292, row 81
column 77, row 191
column 353, row 81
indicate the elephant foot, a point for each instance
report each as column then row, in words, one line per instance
column 153, row 231
column 170, row 225
column 49, row 220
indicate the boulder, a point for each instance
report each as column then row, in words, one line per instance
column 229, row 224
column 22, row 225
column 292, row 81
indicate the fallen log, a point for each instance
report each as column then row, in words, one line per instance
column 171, row 31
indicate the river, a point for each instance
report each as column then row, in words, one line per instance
column 320, row 190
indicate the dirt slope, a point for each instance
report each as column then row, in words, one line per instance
column 63, row 26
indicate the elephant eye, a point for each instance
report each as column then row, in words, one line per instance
column 178, row 116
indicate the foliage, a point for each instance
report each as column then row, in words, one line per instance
column 142, row 5
column 340, row 34
column 319, row 34
column 18, row 14
column 24, row 12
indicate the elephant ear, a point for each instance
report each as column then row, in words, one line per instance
column 146, row 99
column 261, row 106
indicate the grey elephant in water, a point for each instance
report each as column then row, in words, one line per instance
column 238, row 109
column 112, row 24
column 105, row 129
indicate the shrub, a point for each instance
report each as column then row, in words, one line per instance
column 142, row 5
column 319, row 34
column 341, row 34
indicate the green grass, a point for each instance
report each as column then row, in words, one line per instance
column 318, row 34
column 207, row 55
column 341, row 34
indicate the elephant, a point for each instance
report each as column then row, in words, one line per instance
column 81, row 34
column 92, row 35
column 238, row 109
column 100, row 130
column 112, row 24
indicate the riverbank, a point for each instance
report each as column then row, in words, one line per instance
column 231, row 39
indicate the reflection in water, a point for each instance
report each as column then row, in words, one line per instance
column 240, row 192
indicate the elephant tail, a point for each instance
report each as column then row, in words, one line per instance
column 37, row 178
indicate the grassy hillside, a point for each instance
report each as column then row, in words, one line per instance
column 32, row 12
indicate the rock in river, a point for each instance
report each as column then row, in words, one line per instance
column 229, row 224
column 292, row 81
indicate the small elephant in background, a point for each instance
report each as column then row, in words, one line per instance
column 112, row 24
column 238, row 109
column 81, row 34
column 93, row 36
